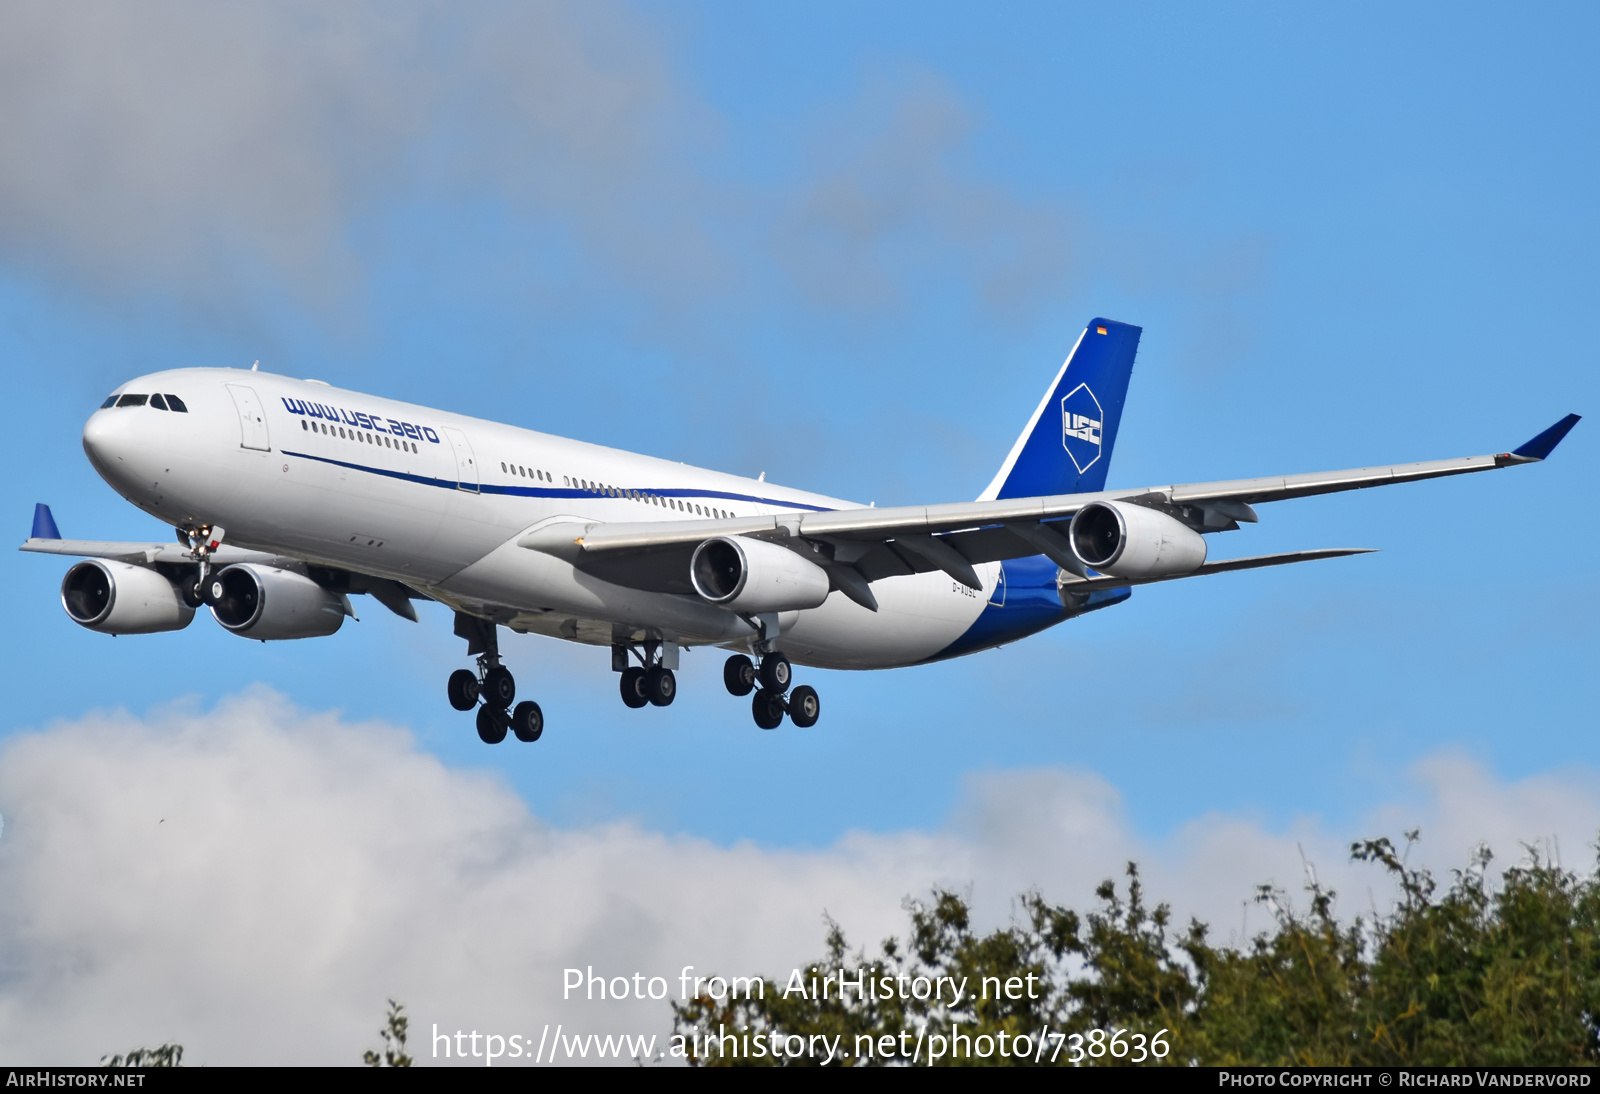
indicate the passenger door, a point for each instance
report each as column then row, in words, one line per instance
column 466, row 464
column 252, row 418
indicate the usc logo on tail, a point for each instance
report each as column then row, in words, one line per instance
column 1081, row 419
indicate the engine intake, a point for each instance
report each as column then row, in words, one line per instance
column 1125, row 540
column 118, row 598
column 270, row 604
column 752, row 575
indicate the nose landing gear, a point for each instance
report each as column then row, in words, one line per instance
column 740, row 676
column 494, row 685
column 202, row 541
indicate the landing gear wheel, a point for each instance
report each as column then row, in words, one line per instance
column 633, row 687
column 739, row 675
column 804, row 706
column 767, row 708
column 491, row 725
column 499, row 688
column 527, row 722
column 463, row 689
column 776, row 672
column 660, row 686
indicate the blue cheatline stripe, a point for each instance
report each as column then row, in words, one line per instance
column 553, row 491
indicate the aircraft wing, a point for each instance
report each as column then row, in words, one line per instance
column 391, row 594
column 866, row 545
column 140, row 554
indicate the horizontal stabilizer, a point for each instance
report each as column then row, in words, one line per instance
column 1089, row 585
column 1542, row 445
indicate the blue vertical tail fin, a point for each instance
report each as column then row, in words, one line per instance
column 44, row 525
column 1066, row 446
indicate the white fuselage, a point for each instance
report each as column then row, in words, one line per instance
column 438, row 501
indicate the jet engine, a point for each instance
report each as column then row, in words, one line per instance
column 1125, row 540
column 267, row 603
column 117, row 598
column 752, row 575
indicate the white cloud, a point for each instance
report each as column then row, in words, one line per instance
column 253, row 881
column 892, row 193
column 222, row 151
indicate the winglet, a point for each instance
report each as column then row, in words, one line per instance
column 1545, row 443
column 44, row 525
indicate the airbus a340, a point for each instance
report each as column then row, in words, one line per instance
column 289, row 496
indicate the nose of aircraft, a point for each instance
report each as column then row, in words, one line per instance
column 107, row 440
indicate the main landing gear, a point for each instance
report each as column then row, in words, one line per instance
column 741, row 676
column 493, row 685
column 651, row 682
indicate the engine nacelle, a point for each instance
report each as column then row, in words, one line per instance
column 752, row 575
column 267, row 603
column 1131, row 541
column 117, row 598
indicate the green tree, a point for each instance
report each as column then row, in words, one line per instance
column 170, row 1055
column 394, row 1040
column 1475, row 974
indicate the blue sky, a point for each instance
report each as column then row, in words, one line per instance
column 848, row 246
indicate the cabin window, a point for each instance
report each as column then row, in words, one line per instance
column 304, row 425
column 132, row 400
column 176, row 404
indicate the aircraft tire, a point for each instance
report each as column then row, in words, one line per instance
column 776, row 673
column 633, row 694
column 767, row 708
column 804, row 706
column 499, row 687
column 527, row 721
column 660, row 686
column 463, row 689
column 739, row 675
column 492, row 725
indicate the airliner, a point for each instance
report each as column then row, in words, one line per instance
column 290, row 496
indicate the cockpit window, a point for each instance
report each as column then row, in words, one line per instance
column 111, row 400
column 132, row 400
column 175, row 403
column 158, row 402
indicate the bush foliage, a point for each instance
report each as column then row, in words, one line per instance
column 1480, row 972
